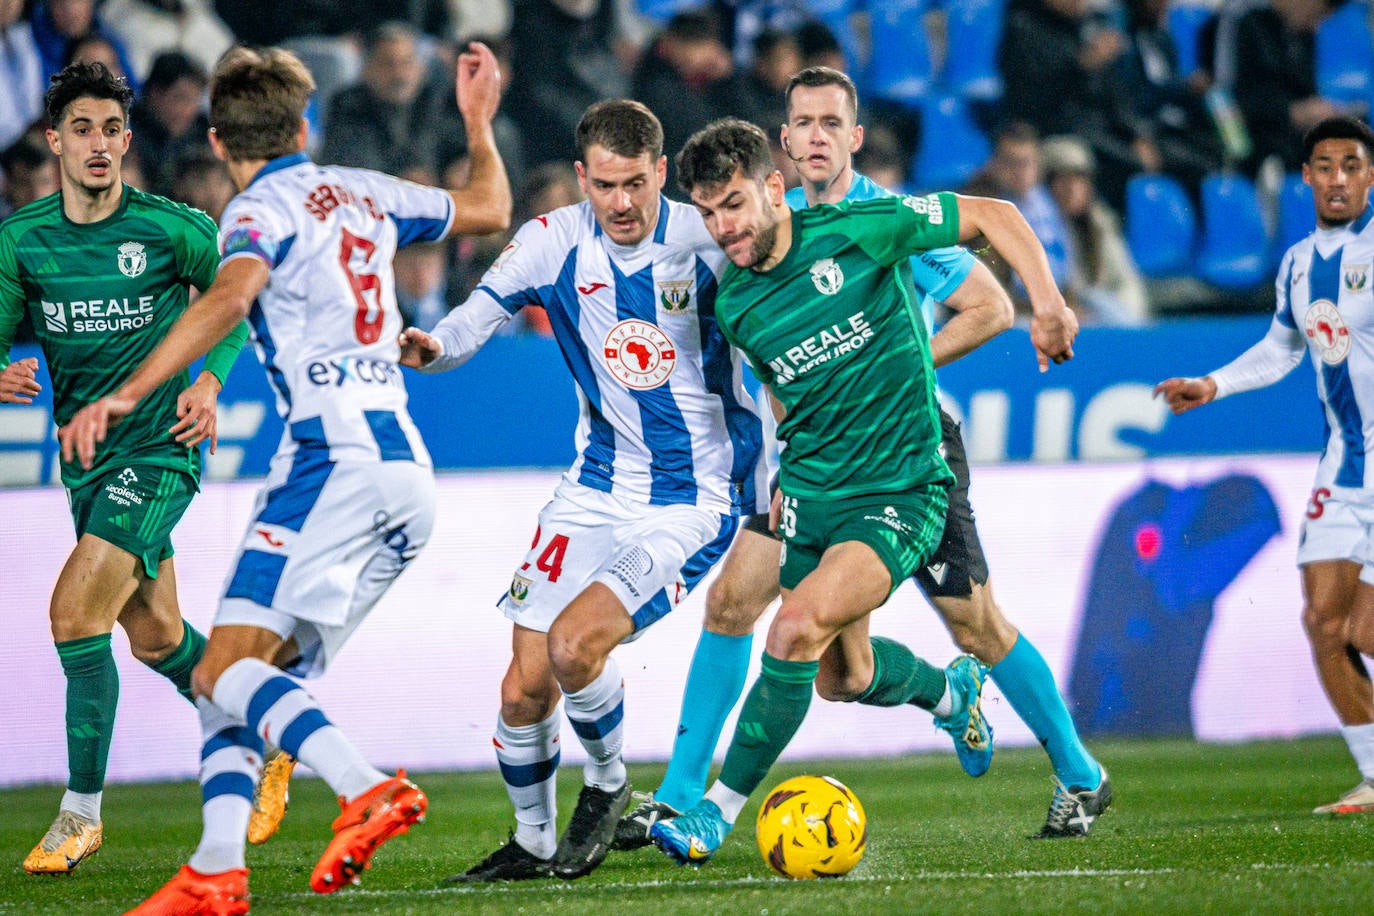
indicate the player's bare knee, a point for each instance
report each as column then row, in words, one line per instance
column 795, row 633
column 1327, row 625
column 730, row 610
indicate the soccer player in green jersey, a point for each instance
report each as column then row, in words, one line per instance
column 818, row 301
column 103, row 271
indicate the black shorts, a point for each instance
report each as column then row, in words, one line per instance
column 959, row 559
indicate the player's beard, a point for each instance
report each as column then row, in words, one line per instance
column 765, row 240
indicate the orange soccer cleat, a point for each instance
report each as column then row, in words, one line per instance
column 190, row 893
column 380, row 813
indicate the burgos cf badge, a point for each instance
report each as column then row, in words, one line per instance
column 1327, row 331
column 675, row 295
column 827, row 276
column 132, row 259
column 639, row 354
column 1356, row 277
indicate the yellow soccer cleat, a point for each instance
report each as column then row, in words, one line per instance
column 270, row 797
column 68, row 842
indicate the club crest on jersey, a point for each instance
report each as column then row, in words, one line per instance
column 505, row 254
column 1356, row 277
column 827, row 276
column 133, row 260
column 519, row 589
column 1327, row 331
column 675, row 295
column 639, row 354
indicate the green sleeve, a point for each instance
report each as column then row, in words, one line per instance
column 12, row 302
column 221, row 357
column 199, row 251
column 892, row 229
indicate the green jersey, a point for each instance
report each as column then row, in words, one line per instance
column 101, row 296
column 835, row 332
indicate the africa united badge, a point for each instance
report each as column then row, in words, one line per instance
column 639, row 354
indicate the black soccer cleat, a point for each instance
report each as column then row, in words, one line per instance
column 588, row 838
column 1073, row 811
column 510, row 862
column 633, row 830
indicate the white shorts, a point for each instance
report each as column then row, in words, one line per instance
column 326, row 541
column 1339, row 525
column 650, row 556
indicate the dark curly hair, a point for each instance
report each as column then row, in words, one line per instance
column 1338, row 128
column 85, row 80
column 720, row 149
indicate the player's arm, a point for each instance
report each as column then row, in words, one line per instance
column 983, row 310
column 207, row 320
column 18, row 379
column 1053, row 324
column 483, row 205
column 1276, row 355
column 456, row 337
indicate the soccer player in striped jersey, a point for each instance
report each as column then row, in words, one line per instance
column 349, row 499
column 668, row 443
column 1325, row 307
column 103, row 271
column 821, row 136
column 820, row 302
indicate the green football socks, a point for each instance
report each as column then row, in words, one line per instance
column 92, row 695
column 900, row 677
column 176, row 667
column 772, row 713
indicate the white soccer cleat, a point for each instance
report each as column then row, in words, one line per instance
column 1359, row 800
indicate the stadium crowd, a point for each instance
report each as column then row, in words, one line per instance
column 1161, row 172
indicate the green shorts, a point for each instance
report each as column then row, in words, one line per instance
column 135, row 507
column 902, row 528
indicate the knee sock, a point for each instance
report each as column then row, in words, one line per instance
column 230, row 765
column 1028, row 685
column 597, row 714
column 92, row 696
column 279, row 709
column 772, row 713
column 528, row 757
column 714, row 684
column 1360, row 740
column 899, row 677
column 176, row 667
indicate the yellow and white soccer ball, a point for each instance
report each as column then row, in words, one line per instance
column 811, row 827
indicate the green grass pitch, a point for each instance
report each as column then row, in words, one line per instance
column 1195, row 829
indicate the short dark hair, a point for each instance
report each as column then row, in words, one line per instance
column 813, row 77
column 720, row 149
column 623, row 126
column 257, row 100
column 82, row 80
column 692, row 26
column 1338, row 128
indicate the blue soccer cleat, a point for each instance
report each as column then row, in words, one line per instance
column 692, row 838
column 971, row 732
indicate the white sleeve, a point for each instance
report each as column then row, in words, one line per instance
column 1276, row 355
column 421, row 213
column 463, row 330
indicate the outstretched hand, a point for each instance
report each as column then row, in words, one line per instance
column 19, row 381
column 479, row 84
column 418, row 349
column 1183, row 394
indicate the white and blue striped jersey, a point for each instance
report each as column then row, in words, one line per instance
column 326, row 323
column 1326, row 303
column 664, row 416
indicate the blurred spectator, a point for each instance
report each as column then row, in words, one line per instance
column 743, row 21
column 149, row 27
column 881, row 159
column 21, row 74
column 819, row 46
column 94, row 48
column 168, row 119
column 30, row 172
column 200, row 180
column 1013, row 173
column 394, row 118
column 1058, row 60
column 58, row 23
column 1266, row 57
column 776, row 57
column 422, row 284
column 1168, row 110
column 467, row 18
column 687, row 79
column 1103, row 284
column 566, row 52
column 271, row 22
